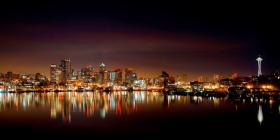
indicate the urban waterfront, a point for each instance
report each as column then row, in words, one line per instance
column 80, row 70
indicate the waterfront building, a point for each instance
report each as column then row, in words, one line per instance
column 139, row 84
column 87, row 73
column 55, row 74
column 130, row 75
column 66, row 69
column 115, row 76
column 102, row 73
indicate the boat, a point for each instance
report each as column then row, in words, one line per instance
column 180, row 91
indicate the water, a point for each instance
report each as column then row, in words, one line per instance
column 145, row 112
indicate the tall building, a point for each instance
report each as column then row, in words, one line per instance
column 53, row 69
column 55, row 74
column 130, row 75
column 39, row 76
column 66, row 69
column 119, row 77
column 102, row 73
column 112, row 76
column 87, row 73
column 115, row 76
column 102, row 67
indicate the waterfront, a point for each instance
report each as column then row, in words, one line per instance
column 132, row 112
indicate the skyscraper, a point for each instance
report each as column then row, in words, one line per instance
column 102, row 73
column 115, row 76
column 66, row 69
column 87, row 73
column 119, row 75
column 102, row 67
column 55, row 74
column 130, row 75
column 112, row 76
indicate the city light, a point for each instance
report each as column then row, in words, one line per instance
column 90, row 69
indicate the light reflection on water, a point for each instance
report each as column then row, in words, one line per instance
column 104, row 105
column 92, row 103
column 260, row 115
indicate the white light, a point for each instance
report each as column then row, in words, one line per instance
column 260, row 115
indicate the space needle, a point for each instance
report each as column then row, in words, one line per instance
column 259, row 59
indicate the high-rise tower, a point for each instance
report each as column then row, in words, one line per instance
column 259, row 59
column 66, row 69
column 102, row 73
column 55, row 74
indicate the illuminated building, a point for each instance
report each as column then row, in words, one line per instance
column 87, row 73
column 66, row 69
column 39, row 76
column 55, row 74
column 196, row 85
column 259, row 59
column 40, row 80
column 10, row 76
column 119, row 75
column 112, row 76
column 102, row 67
column 130, row 75
column 139, row 84
column 115, row 76
column 75, row 75
column 53, row 69
column 102, row 73
column 168, row 82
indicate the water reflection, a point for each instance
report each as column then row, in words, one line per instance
column 90, row 104
column 260, row 115
column 62, row 106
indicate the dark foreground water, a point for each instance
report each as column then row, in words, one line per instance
column 139, row 113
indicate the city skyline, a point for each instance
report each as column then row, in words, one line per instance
column 177, row 40
column 139, row 69
column 62, row 68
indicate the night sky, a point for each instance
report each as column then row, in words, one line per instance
column 193, row 38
